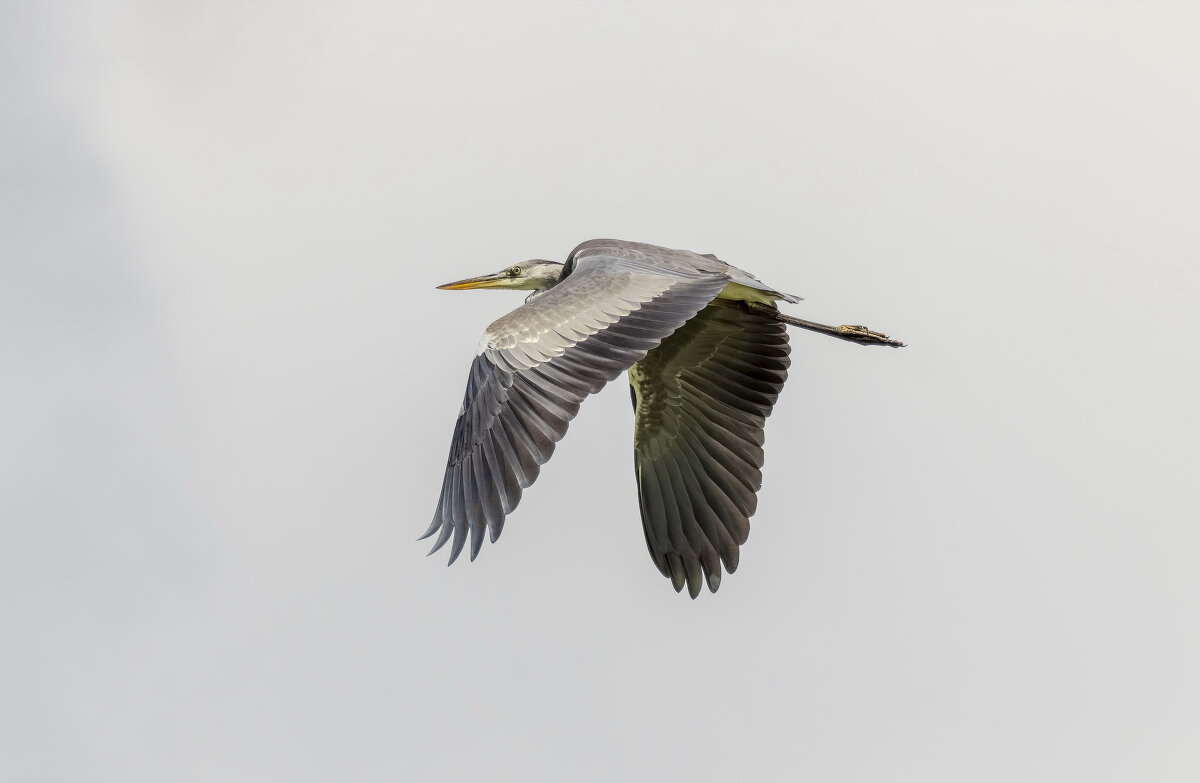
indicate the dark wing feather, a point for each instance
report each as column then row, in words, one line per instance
column 536, row 365
column 701, row 400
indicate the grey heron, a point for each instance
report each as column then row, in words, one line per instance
column 707, row 354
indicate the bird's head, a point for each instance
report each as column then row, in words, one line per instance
column 535, row 275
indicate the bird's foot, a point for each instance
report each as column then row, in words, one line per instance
column 864, row 336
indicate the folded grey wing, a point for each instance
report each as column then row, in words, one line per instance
column 701, row 400
column 535, row 366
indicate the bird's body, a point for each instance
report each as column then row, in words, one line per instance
column 707, row 354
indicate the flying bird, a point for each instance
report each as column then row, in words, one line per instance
column 706, row 350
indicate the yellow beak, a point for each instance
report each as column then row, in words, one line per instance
column 486, row 281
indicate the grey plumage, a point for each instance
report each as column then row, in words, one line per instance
column 705, row 370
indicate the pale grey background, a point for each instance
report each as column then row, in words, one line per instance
column 229, row 387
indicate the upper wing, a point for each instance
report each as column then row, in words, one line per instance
column 534, row 367
column 701, row 400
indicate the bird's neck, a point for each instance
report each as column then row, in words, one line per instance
column 544, row 285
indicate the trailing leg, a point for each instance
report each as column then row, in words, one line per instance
column 855, row 334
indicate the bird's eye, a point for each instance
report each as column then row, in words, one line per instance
column 513, row 271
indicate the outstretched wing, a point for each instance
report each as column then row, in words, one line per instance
column 701, row 400
column 537, row 364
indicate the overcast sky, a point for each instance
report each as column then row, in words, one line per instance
column 230, row 386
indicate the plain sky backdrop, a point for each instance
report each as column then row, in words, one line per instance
column 229, row 387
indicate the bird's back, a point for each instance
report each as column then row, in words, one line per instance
column 742, row 284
